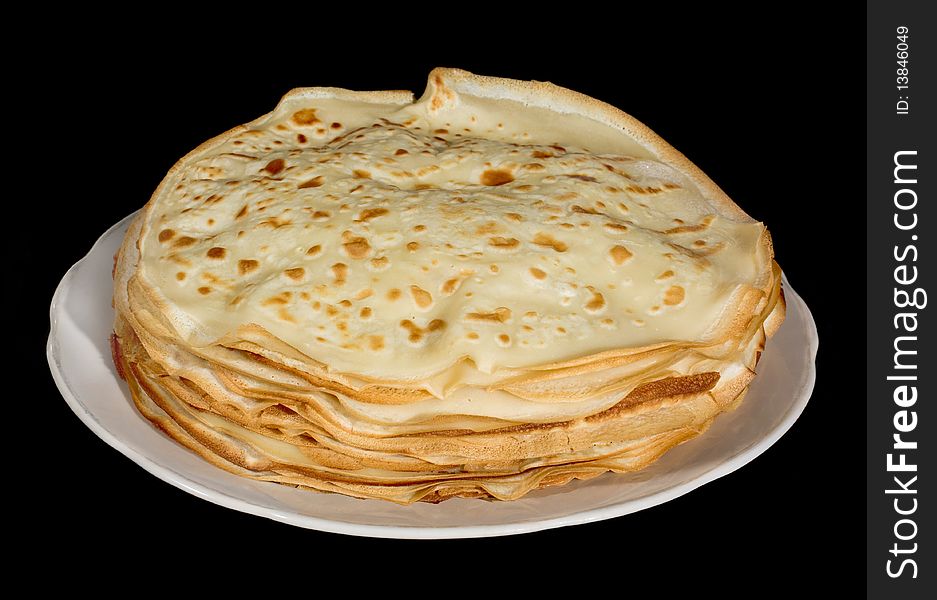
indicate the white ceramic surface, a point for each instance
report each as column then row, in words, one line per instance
column 79, row 357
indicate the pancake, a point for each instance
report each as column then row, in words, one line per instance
column 500, row 286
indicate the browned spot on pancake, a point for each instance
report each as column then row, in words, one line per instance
column 376, row 342
column 615, row 228
column 537, row 273
column 413, row 246
column 440, row 94
column 417, row 333
column 450, row 286
column 372, row 213
column 217, row 252
column 441, row 131
column 321, row 215
column 280, row 299
column 471, row 335
column 704, row 223
column 166, row 235
column 346, row 303
column 699, row 243
column 504, row 339
column 674, row 295
column 356, row 247
column 401, row 152
column 596, row 304
column 365, row 312
column 502, row 243
column 583, row 177
column 275, row 222
column 301, row 138
column 637, row 189
column 275, row 166
column 671, row 186
column 419, row 228
column 313, row 250
column 500, row 315
column 184, row 242
column 393, row 294
column 340, row 273
column 661, row 388
column 545, row 239
column 336, row 125
column 211, row 278
column 561, row 330
column 306, row 116
column 204, row 290
column 311, row 183
column 247, row 265
column 489, row 227
column 619, row 254
column 583, row 210
column 361, row 174
column 665, row 275
column 496, row 177
column 542, row 154
column 533, row 167
column 364, row 293
column 295, row 273
column 421, row 297
column 699, row 254
column 380, row 262
column 180, row 275
column 241, row 212
column 511, row 216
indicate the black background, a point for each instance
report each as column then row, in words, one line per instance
column 770, row 108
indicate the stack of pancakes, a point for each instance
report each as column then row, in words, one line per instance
column 499, row 287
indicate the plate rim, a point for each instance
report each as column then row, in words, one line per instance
column 204, row 492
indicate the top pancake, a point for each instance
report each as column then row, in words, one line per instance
column 518, row 225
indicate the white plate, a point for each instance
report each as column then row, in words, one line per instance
column 80, row 360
